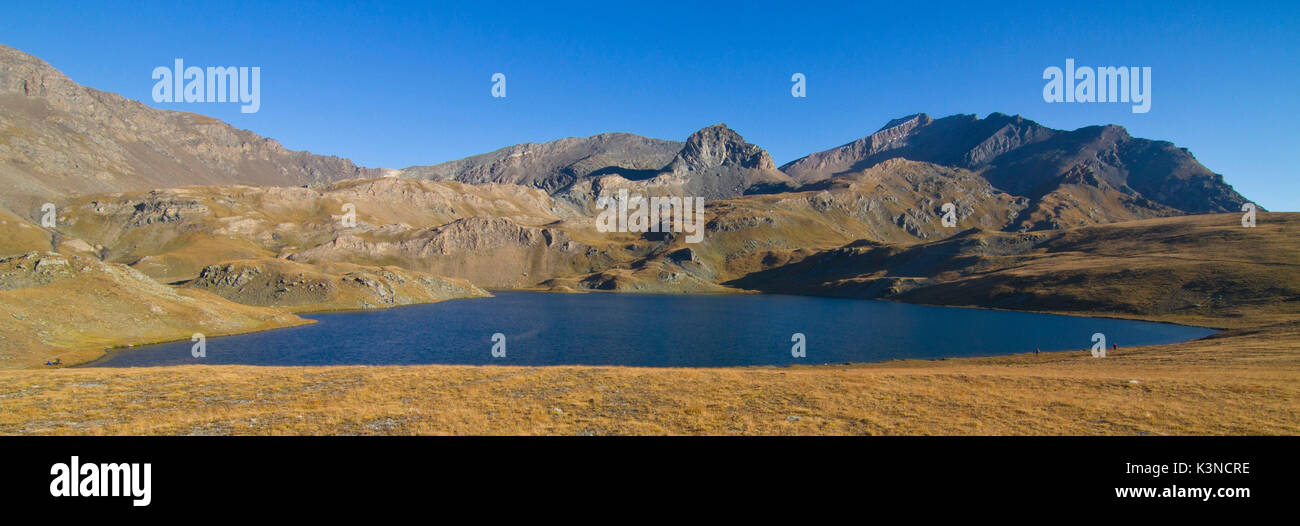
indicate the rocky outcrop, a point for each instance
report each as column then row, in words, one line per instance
column 718, row 146
column 493, row 252
column 717, row 163
column 556, row 164
column 72, row 307
column 301, row 288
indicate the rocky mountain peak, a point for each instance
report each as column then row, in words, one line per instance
column 717, row 146
column 554, row 165
column 909, row 122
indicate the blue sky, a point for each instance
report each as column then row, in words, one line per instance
column 398, row 84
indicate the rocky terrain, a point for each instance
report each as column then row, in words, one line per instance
column 714, row 163
column 59, row 138
column 342, row 286
column 193, row 204
column 556, row 164
column 1093, row 175
column 494, row 252
column 509, row 236
column 172, row 234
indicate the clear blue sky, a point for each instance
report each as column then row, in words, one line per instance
column 400, row 84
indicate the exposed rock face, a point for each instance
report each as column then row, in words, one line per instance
column 717, row 164
column 485, row 233
column 717, row 146
column 300, row 287
column 487, row 251
column 963, row 141
column 556, row 164
column 714, row 163
column 851, row 156
column 58, row 138
column 1091, row 175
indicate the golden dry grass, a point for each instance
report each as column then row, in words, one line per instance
column 1240, row 382
column 76, row 307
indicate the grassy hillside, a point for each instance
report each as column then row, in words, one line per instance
column 18, row 236
column 1203, row 270
column 72, row 308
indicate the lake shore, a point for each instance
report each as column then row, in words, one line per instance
column 78, row 357
column 1240, row 381
column 689, row 330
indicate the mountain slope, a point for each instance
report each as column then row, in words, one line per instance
column 172, row 234
column 58, row 138
column 555, row 164
column 1204, row 269
column 1092, row 175
column 718, row 163
column 895, row 201
column 714, row 162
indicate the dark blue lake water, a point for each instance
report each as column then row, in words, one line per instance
column 654, row 330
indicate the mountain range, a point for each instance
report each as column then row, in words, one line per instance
column 147, row 197
column 58, row 138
